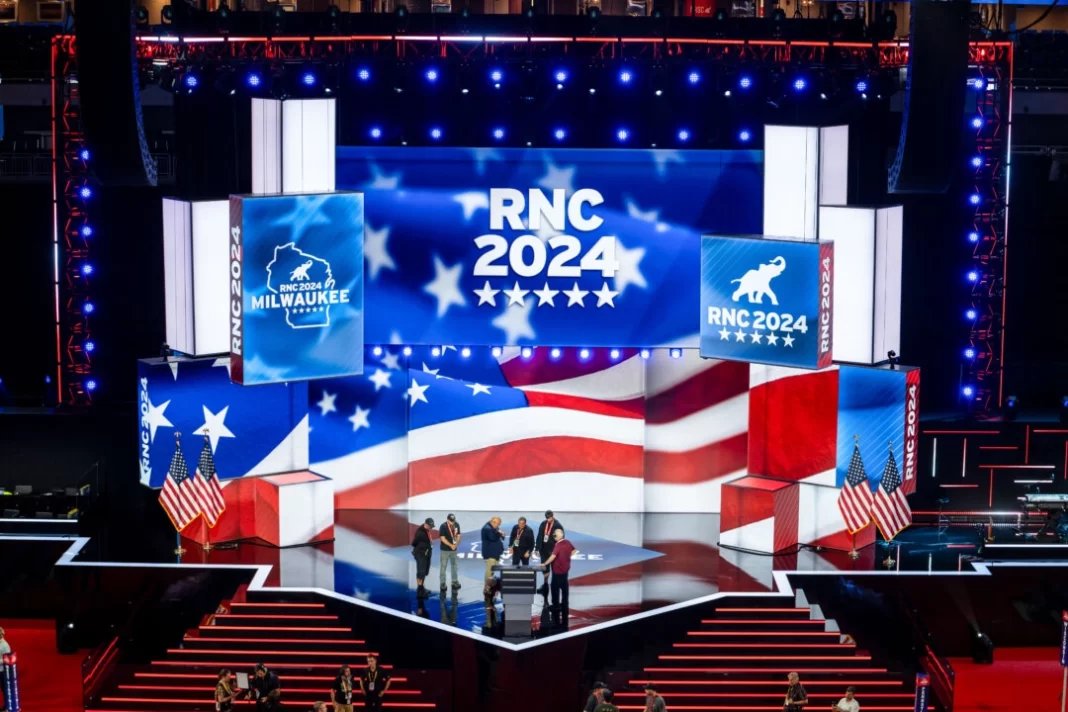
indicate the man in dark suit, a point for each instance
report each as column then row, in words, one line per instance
column 492, row 545
column 421, row 548
column 544, row 541
column 521, row 542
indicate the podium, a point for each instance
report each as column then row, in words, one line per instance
column 518, row 587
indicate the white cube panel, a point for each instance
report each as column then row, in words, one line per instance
column 867, row 280
column 309, row 145
column 804, row 167
column 834, row 165
column 195, row 235
column 266, row 146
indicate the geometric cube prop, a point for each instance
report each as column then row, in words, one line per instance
column 293, row 145
column 820, row 523
column 759, row 514
column 804, row 167
column 195, row 243
column 867, row 280
column 286, row 509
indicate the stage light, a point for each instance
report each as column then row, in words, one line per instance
column 560, row 134
column 496, row 351
column 694, row 78
column 613, row 354
column 555, row 353
column 407, row 351
column 89, row 347
column 659, row 92
column 498, row 134
column 90, row 385
column 377, row 351
column 676, row 353
column 560, row 76
column 967, row 391
column 973, row 276
column 376, row 133
column 977, row 161
column 142, row 15
column 592, row 90
column 727, row 93
column 584, row 354
column 364, row 75
column 527, row 352
column 979, row 84
column 87, row 269
column 87, row 231
column 431, row 75
column 307, row 79
column 973, row 236
column 85, row 192
column 970, row 314
column 975, row 199
column 88, row 308
column 435, row 133
column 862, row 86
column 190, row 81
column 253, row 80
column 977, row 122
column 1011, row 403
column 744, row 135
column 436, row 351
column 622, row 135
column 84, row 154
column 465, row 90
column 625, row 77
column 969, row 353
column 167, row 13
column 645, row 354
column 800, row 84
column 465, row 352
column 496, row 76
column 684, row 135
column 745, row 81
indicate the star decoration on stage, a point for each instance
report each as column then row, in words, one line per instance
column 516, row 295
column 391, row 361
column 359, row 418
column 724, row 334
column 739, row 335
column 381, row 181
column 605, row 296
column 156, row 419
column 487, row 295
column 471, row 201
column 515, row 323
column 375, row 253
column 477, row 388
column 417, row 393
column 326, row 403
column 628, row 272
column 772, row 339
column 576, row 296
column 756, row 337
column 446, row 285
column 215, row 427
column 787, row 340
column 482, row 156
column 546, row 295
column 380, row 378
column 556, row 177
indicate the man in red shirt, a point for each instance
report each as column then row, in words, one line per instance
column 560, row 563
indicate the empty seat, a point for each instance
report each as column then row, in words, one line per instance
column 23, row 489
column 11, row 514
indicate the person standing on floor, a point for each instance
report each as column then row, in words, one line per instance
column 595, row 697
column 224, row 692
column 421, row 548
column 796, row 697
column 373, row 683
column 341, row 692
column 521, row 542
column 5, row 649
column 560, row 562
column 606, row 702
column 449, row 537
column 263, row 683
column 544, row 542
column 849, row 702
column 653, row 701
column 492, row 545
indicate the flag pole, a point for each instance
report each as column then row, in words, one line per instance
column 853, row 553
column 207, row 527
column 178, row 550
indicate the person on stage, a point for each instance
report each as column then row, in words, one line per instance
column 373, row 683
column 263, row 683
column 545, row 542
column 449, row 537
column 560, row 562
column 521, row 542
column 224, row 692
column 421, row 548
column 341, row 692
column 595, row 698
column 274, row 701
column 848, row 703
column 492, row 544
column 653, row 701
column 606, row 702
column 796, row 697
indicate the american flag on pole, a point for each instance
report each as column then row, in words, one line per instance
column 206, row 486
column 855, row 500
column 891, row 509
column 178, row 496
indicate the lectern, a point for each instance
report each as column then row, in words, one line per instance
column 518, row 586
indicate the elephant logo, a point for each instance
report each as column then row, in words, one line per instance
column 756, row 283
column 300, row 274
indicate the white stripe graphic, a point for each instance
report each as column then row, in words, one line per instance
column 721, row 421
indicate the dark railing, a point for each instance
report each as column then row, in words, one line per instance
column 24, row 166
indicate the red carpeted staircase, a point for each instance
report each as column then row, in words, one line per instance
column 302, row 642
column 738, row 660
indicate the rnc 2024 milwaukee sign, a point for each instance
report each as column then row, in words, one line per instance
column 296, row 287
column 766, row 300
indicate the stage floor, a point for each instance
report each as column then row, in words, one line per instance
column 628, row 563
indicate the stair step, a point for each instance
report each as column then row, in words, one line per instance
column 767, row 613
column 272, row 632
column 251, row 664
column 677, row 696
column 675, row 683
column 770, row 708
column 824, row 648
column 269, row 657
column 799, row 637
column 201, row 681
column 191, row 641
column 818, row 673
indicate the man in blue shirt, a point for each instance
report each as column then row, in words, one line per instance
column 492, row 544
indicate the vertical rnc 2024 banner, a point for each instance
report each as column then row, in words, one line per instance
column 296, row 287
column 766, row 300
column 566, row 247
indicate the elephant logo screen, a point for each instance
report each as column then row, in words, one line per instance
column 756, row 283
column 301, row 285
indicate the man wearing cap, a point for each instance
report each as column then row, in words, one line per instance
column 544, row 541
column 449, row 536
column 596, row 697
column 421, row 548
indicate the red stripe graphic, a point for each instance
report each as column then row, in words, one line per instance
column 710, row 387
column 699, row 465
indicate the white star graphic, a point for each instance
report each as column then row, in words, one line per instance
column 214, row 427
column 446, row 286
column 375, row 253
column 755, row 337
column 546, row 295
column 417, row 393
column 359, row 419
column 431, row 371
column 544, row 232
column 558, row 178
column 326, row 403
column 628, row 272
column 481, row 156
column 739, row 335
column 649, row 216
column 381, row 379
column 515, row 323
column 174, row 369
column 788, row 341
column 664, row 157
column 575, row 295
column 225, row 362
column 724, row 334
column 605, row 296
column 472, row 201
column 395, row 338
column 156, row 419
column 772, row 339
column 486, row 295
column 391, row 361
column 477, row 388
column 380, row 181
column 516, row 295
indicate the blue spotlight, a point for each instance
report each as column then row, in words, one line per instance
column 364, row 75
column 407, row 351
column 431, row 75
column 973, row 236
column 86, row 192
column 307, row 79
column 560, row 134
column 973, row 276
column 560, row 76
column 970, row 315
column 253, row 80
column 377, row 351
column 465, row 352
column 584, row 354
column 744, row 135
column 969, row 353
column 645, row 354
column 526, row 352
column 862, row 86
column 979, row 83
column 676, row 353
column 555, row 353
column 613, row 354
column 376, row 133
column 496, row 351
column 87, row 269
column 625, row 77
column 89, row 347
column 89, row 308
column 977, row 122
column 436, row 351
column 694, row 77
column 84, row 154
column 684, row 135
column 90, row 385
column 622, row 135
column 191, row 81
column 87, row 231
column 800, row 84
column 496, row 76
column 745, row 81
column 974, row 199
column 498, row 134
column 435, row 133
column 977, row 161
column 967, row 391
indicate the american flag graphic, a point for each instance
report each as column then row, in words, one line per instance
column 178, row 496
column 855, row 500
column 891, row 509
column 206, row 486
